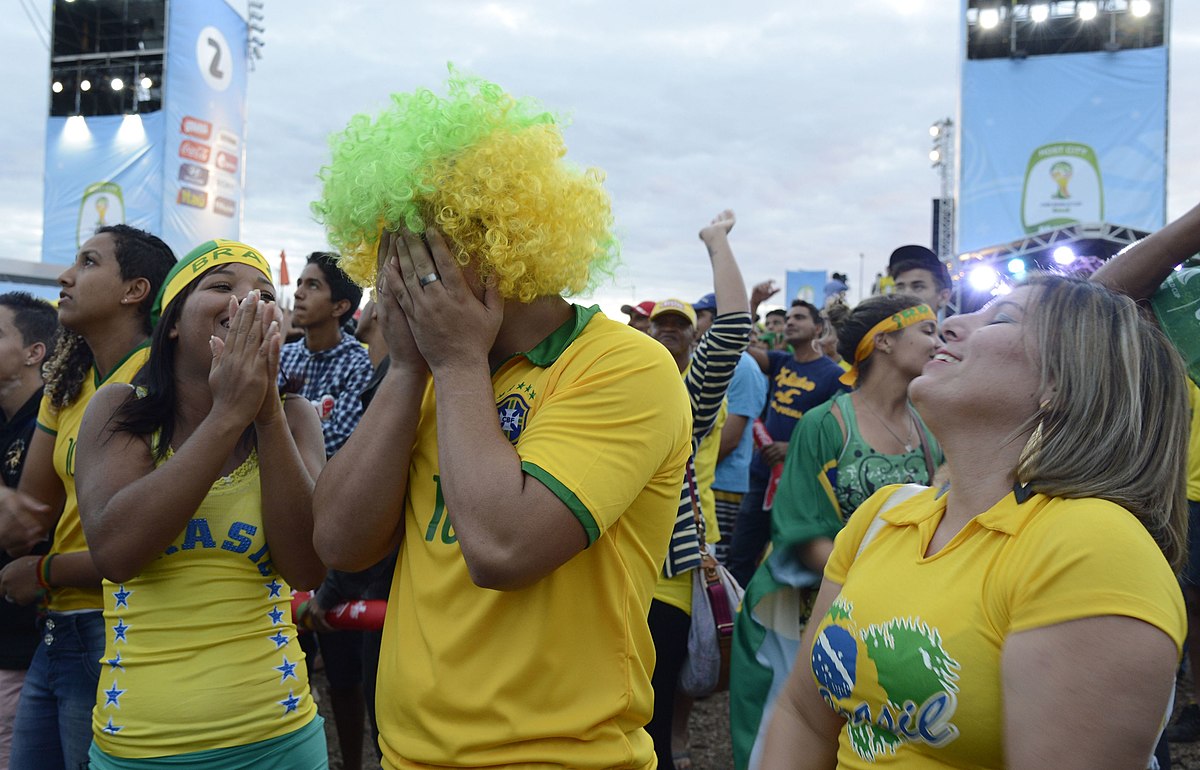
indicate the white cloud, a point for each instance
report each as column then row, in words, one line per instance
column 808, row 119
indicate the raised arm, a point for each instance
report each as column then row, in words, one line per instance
column 727, row 276
column 1140, row 269
column 291, row 453
column 512, row 529
column 358, row 502
column 761, row 292
column 131, row 509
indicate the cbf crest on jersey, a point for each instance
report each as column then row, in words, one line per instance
column 512, row 410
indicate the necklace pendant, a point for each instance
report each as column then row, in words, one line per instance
column 908, row 447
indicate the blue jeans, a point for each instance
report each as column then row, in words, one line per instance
column 53, row 727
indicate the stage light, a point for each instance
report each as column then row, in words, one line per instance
column 1016, row 266
column 85, row 85
column 989, row 18
column 1086, row 10
column 131, row 132
column 56, row 87
column 983, row 278
column 1140, row 8
column 146, row 82
column 75, row 131
column 1063, row 255
column 1039, row 12
column 117, row 84
column 935, row 156
column 935, row 129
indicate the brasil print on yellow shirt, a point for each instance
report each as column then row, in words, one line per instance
column 909, row 652
column 200, row 652
column 556, row 673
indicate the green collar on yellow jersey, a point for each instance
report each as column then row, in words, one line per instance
column 98, row 380
column 549, row 349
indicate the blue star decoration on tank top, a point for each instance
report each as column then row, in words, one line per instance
column 119, row 631
column 274, row 587
column 287, row 670
column 279, row 638
column 115, row 663
column 112, row 696
column 112, row 729
column 276, row 616
column 122, row 597
column 290, row 703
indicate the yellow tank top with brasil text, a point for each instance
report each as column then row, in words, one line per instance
column 63, row 424
column 200, row 651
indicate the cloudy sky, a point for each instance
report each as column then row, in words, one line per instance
column 809, row 119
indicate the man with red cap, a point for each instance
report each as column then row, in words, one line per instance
column 639, row 315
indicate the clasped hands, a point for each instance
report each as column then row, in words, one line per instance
column 433, row 312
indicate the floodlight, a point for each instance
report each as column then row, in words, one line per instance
column 935, row 156
column 1140, row 8
column 117, row 84
column 1063, row 255
column 1039, row 12
column 146, row 81
column 983, row 278
column 56, row 87
column 1016, row 266
column 935, row 129
column 85, row 85
column 989, row 18
column 1087, row 10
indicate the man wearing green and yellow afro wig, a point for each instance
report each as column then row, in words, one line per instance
column 525, row 453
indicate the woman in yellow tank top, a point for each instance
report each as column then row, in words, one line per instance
column 104, row 309
column 196, row 498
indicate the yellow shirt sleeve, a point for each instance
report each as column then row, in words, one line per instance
column 1086, row 558
column 598, row 441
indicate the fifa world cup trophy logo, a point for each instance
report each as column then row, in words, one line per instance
column 101, row 210
column 1061, row 174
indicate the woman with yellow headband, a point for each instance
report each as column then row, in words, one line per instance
column 840, row 454
column 1026, row 614
column 196, row 498
column 104, row 308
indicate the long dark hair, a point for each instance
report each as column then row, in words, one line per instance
column 139, row 255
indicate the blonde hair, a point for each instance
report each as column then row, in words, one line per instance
column 1115, row 423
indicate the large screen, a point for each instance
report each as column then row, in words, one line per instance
column 1054, row 140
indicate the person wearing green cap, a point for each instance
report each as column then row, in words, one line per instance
column 196, row 498
column 104, row 309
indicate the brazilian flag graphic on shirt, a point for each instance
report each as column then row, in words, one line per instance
column 916, row 676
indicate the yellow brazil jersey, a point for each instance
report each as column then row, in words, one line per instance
column 200, row 651
column 910, row 650
column 64, row 424
column 557, row 673
column 1193, row 476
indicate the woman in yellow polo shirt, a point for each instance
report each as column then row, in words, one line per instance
column 1028, row 614
column 104, row 309
column 196, row 497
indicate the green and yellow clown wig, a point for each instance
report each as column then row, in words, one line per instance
column 484, row 168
